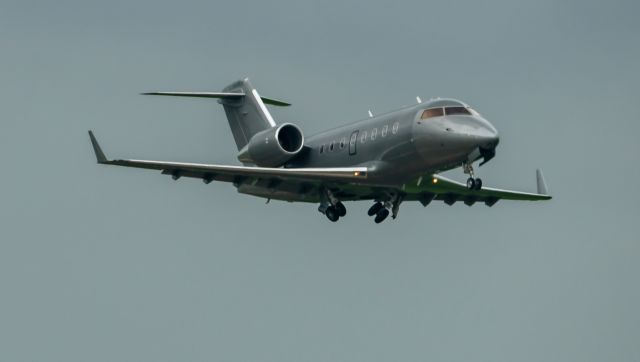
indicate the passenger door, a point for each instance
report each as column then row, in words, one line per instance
column 353, row 141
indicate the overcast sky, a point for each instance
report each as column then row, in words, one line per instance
column 103, row 263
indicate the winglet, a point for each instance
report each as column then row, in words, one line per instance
column 542, row 186
column 100, row 157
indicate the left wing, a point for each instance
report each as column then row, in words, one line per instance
column 236, row 174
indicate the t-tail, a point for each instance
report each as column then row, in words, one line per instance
column 245, row 109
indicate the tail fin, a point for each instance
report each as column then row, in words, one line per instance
column 247, row 116
column 245, row 108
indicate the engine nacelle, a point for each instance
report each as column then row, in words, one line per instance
column 273, row 147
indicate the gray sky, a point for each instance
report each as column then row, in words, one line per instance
column 111, row 264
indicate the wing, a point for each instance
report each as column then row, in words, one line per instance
column 437, row 187
column 237, row 174
column 302, row 184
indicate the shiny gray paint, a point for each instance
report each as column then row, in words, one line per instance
column 418, row 147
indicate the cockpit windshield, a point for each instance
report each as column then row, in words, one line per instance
column 433, row 112
column 449, row 111
column 457, row 110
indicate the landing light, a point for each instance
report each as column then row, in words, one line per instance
column 356, row 173
column 435, row 180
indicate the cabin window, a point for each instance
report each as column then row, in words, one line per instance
column 321, row 148
column 396, row 125
column 433, row 112
column 343, row 141
column 363, row 137
column 374, row 134
column 331, row 147
column 457, row 110
column 384, row 130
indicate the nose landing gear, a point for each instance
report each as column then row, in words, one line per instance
column 472, row 182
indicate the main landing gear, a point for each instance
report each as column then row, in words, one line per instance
column 331, row 207
column 472, row 182
column 381, row 209
column 335, row 212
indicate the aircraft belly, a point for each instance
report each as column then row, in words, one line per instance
column 282, row 192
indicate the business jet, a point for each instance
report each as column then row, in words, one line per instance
column 385, row 159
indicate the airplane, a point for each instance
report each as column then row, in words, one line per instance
column 387, row 159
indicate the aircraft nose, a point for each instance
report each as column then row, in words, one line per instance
column 487, row 136
column 454, row 137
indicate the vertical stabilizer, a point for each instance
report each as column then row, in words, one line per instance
column 247, row 115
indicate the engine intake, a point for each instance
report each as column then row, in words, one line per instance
column 273, row 147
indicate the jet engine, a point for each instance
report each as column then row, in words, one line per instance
column 273, row 147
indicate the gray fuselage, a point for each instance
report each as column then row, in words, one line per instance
column 401, row 144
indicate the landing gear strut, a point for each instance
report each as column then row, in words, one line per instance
column 472, row 183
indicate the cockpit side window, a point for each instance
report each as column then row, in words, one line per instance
column 457, row 110
column 433, row 112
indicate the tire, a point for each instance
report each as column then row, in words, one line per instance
column 381, row 215
column 374, row 209
column 478, row 184
column 332, row 214
column 342, row 211
column 471, row 183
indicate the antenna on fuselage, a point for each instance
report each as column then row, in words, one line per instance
column 370, row 114
column 418, row 99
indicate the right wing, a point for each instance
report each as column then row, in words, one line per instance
column 236, row 174
column 441, row 188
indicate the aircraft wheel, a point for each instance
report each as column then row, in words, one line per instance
column 478, row 184
column 374, row 208
column 342, row 211
column 332, row 214
column 471, row 183
column 381, row 215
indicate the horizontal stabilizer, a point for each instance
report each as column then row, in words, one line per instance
column 219, row 95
